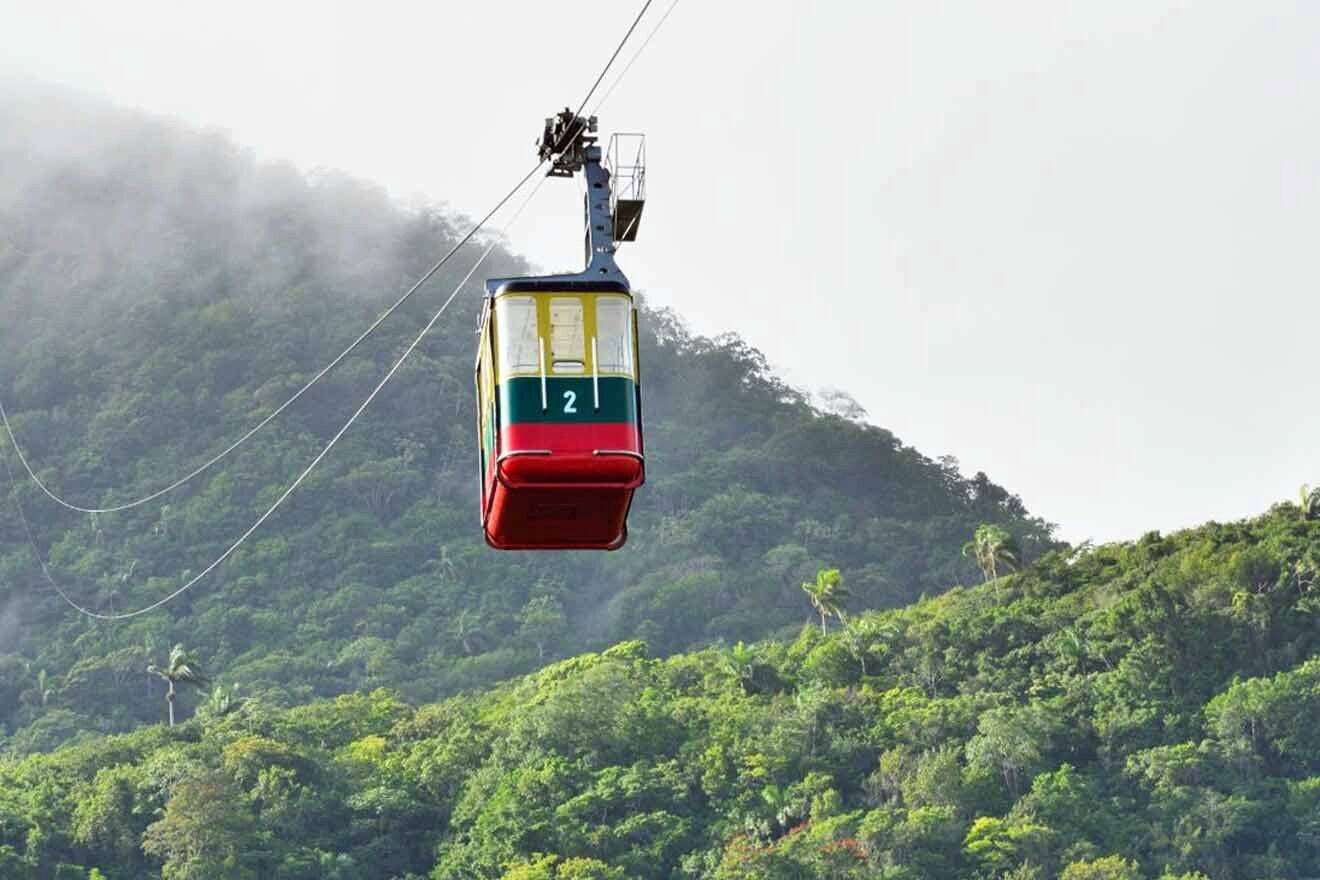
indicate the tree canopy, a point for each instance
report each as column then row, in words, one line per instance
column 1138, row 711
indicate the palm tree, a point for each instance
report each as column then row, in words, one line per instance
column 222, row 701
column 1073, row 648
column 467, row 629
column 1310, row 501
column 38, row 696
column 827, row 594
column 182, row 668
column 44, row 690
column 993, row 546
column 863, row 635
column 783, row 808
column 739, row 662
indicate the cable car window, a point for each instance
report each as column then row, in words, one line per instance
column 614, row 335
column 568, row 353
column 515, row 327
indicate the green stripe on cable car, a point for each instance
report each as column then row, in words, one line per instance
column 568, row 399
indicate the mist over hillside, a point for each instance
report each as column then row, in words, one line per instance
column 161, row 291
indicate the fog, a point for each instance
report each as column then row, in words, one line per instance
column 58, row 145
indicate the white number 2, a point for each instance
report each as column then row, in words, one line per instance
column 570, row 401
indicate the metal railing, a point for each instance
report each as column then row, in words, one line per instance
column 626, row 161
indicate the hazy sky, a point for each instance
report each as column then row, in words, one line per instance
column 1073, row 244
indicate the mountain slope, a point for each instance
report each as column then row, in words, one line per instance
column 1134, row 711
column 161, row 291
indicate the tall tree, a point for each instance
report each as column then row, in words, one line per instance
column 1309, row 501
column 993, row 546
column 38, row 696
column 739, row 662
column 181, row 668
column 467, row 630
column 827, row 595
column 543, row 622
column 863, row 636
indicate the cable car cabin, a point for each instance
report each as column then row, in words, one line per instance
column 558, row 398
column 559, row 415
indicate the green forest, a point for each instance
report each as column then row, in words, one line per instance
column 1129, row 711
column 821, row 654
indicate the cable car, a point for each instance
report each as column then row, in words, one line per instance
column 559, row 411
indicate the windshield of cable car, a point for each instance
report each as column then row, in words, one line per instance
column 568, row 352
column 516, row 338
column 614, row 335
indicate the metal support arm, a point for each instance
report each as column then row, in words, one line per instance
column 568, row 143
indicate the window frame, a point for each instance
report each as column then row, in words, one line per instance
column 626, row 333
column 504, row 338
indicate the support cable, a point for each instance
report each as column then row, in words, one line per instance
column 198, row 471
column 88, row 612
column 618, row 245
column 348, row 424
column 216, row 459
column 638, row 54
column 606, row 69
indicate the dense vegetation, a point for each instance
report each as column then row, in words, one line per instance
column 1133, row 711
column 162, row 291
column 738, row 694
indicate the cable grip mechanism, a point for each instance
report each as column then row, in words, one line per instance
column 564, row 142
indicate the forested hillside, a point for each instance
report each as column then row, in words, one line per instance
column 1133, row 711
column 161, row 291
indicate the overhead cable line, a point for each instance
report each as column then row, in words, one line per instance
column 198, row 471
column 618, row 246
column 220, row 456
column 617, row 49
column 88, row 612
column 638, row 54
column 353, row 418
column 606, row 69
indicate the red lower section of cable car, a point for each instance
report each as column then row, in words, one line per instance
column 563, row 486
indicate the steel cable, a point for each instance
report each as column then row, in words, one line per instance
column 340, row 433
column 220, row 456
column 430, row 273
column 292, row 486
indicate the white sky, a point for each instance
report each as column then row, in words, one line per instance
column 1072, row 244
